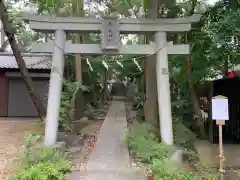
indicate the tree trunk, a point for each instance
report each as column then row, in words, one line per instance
column 78, row 11
column 196, row 107
column 194, row 99
column 8, row 29
column 150, row 106
column 105, row 87
column 226, row 62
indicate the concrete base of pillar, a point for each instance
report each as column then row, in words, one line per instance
column 176, row 156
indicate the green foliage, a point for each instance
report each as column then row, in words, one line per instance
column 64, row 106
column 224, row 31
column 135, row 95
column 163, row 170
column 211, row 40
column 67, row 107
column 24, row 36
column 183, row 137
column 42, row 163
column 43, row 171
column 148, row 150
column 145, row 146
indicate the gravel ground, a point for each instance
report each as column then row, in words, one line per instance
column 12, row 141
column 79, row 152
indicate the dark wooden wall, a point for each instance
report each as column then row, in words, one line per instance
column 3, row 95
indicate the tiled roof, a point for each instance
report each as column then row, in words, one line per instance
column 32, row 60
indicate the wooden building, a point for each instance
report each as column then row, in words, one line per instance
column 228, row 87
column 15, row 100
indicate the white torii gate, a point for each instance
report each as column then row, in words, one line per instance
column 110, row 45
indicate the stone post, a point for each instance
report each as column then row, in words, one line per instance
column 55, row 89
column 163, row 88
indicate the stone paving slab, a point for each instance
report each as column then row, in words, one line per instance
column 110, row 158
column 127, row 174
column 111, row 151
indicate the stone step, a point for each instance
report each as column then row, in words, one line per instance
column 108, row 174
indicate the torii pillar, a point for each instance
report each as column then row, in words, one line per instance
column 55, row 89
column 163, row 88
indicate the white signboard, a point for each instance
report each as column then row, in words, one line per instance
column 220, row 109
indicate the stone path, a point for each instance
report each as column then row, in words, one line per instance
column 110, row 158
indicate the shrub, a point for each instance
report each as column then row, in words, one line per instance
column 182, row 135
column 144, row 145
column 163, row 170
column 42, row 163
